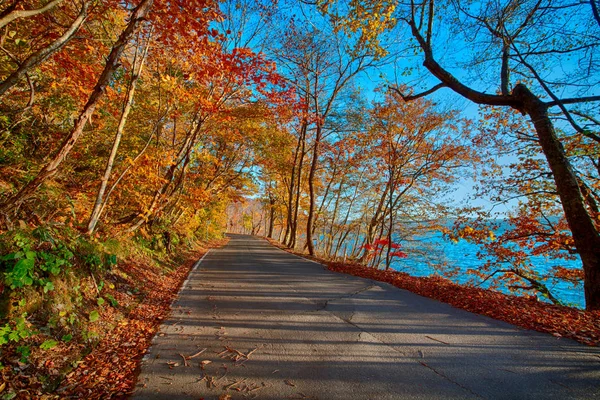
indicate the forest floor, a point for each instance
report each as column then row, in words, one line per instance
column 141, row 294
column 526, row 312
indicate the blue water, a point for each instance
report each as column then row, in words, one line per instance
column 426, row 255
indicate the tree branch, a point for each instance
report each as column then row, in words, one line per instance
column 572, row 100
column 417, row 96
column 451, row 82
column 38, row 57
column 8, row 18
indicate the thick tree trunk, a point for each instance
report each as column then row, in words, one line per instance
column 50, row 169
column 585, row 234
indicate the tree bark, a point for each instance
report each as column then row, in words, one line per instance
column 585, row 234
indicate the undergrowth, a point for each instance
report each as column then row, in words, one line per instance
column 62, row 293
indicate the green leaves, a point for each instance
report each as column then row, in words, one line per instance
column 48, row 344
column 94, row 316
column 15, row 331
column 22, row 272
column 26, row 267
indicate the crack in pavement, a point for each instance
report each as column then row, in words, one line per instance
column 441, row 374
column 450, row 379
column 322, row 304
column 404, row 354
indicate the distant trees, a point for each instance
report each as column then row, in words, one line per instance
column 320, row 66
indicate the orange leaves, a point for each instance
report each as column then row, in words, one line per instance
column 110, row 369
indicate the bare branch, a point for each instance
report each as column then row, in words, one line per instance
column 586, row 116
column 417, row 96
column 450, row 80
column 573, row 100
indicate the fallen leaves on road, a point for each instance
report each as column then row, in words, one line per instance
column 196, row 354
column 235, row 355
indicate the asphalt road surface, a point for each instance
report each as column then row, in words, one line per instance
column 253, row 321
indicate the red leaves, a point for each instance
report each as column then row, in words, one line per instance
column 381, row 242
column 526, row 312
column 381, row 245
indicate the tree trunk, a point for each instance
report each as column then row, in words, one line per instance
column 271, row 217
column 585, row 234
column 290, row 209
column 50, row 169
column 294, row 228
column 98, row 205
column 370, row 236
column 311, row 192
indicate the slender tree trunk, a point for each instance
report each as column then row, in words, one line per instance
column 182, row 157
column 334, row 217
column 390, row 223
column 98, row 205
column 370, row 234
column 293, row 234
column 343, row 237
column 271, row 217
column 311, row 191
column 290, row 209
column 138, row 15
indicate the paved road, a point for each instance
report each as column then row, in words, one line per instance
column 276, row 326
